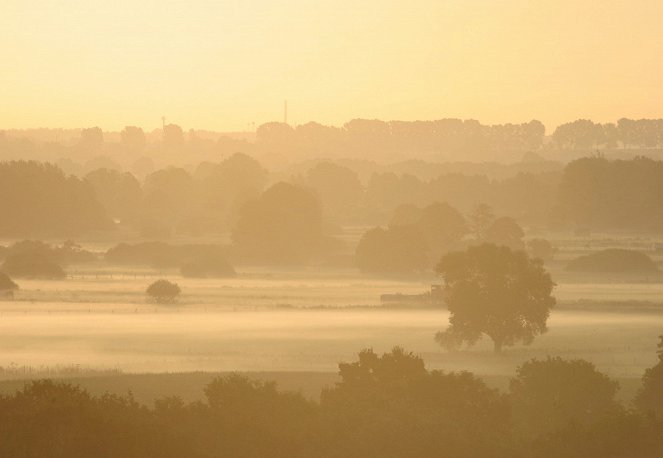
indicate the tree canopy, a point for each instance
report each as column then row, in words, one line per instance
column 282, row 226
column 38, row 199
column 163, row 291
column 495, row 291
column 548, row 394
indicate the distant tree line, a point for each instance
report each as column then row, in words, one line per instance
column 386, row 405
column 238, row 195
column 371, row 138
column 584, row 134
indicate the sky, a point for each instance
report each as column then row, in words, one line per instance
column 224, row 64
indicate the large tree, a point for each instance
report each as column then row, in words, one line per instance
column 495, row 291
column 546, row 395
column 282, row 226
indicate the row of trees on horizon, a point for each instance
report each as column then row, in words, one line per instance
column 447, row 139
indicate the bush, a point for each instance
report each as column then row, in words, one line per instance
column 207, row 267
column 32, row 266
column 163, row 291
column 613, row 260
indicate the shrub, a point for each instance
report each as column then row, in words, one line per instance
column 613, row 260
column 163, row 291
column 32, row 266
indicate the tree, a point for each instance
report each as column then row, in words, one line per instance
column 228, row 185
column 338, row 187
column 163, row 291
column 173, row 137
column 494, row 291
column 282, row 226
column 548, row 394
column 505, row 231
column 133, row 139
column 480, row 219
column 118, row 192
column 395, row 250
column 38, row 199
column 33, row 265
column 650, row 395
column 443, row 227
column 390, row 406
column 92, row 138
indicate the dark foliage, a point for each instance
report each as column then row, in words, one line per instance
column 163, row 291
column 614, row 260
column 386, row 406
column 38, row 199
column 495, row 291
column 32, row 266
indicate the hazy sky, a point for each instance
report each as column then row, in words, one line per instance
column 222, row 64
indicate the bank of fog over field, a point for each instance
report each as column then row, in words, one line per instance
column 162, row 262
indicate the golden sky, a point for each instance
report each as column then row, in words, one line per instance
column 223, row 64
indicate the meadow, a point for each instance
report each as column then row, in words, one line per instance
column 296, row 325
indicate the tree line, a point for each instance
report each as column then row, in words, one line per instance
column 387, row 405
column 239, row 194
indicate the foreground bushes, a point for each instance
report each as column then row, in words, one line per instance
column 387, row 406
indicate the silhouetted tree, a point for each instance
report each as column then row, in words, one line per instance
column 173, row 137
column 163, row 291
column 395, row 250
column 650, row 395
column 38, row 199
column 391, row 406
column 133, row 139
column 92, row 138
column 505, row 231
column 494, row 291
column 32, row 265
column 338, row 188
column 480, row 220
column 118, row 192
column 283, row 225
column 228, row 185
column 548, row 394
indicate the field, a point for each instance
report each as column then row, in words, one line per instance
column 295, row 326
